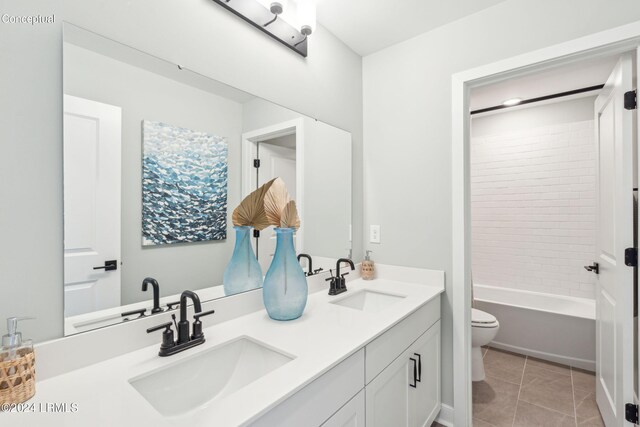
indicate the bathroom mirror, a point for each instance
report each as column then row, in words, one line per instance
column 156, row 157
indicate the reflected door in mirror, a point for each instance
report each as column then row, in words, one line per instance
column 92, row 138
column 276, row 160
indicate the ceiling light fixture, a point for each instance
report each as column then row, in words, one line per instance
column 511, row 102
column 287, row 21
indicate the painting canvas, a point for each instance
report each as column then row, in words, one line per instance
column 184, row 185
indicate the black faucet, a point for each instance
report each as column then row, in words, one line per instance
column 156, row 293
column 309, row 264
column 338, row 283
column 183, row 324
column 185, row 341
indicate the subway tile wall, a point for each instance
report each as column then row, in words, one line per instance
column 533, row 209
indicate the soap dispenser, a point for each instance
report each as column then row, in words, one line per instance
column 367, row 268
column 17, row 365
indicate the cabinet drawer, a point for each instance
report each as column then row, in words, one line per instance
column 384, row 349
column 315, row 403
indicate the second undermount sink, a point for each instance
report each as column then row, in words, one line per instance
column 207, row 376
column 367, row 300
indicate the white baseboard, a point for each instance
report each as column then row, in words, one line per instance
column 445, row 417
column 589, row 365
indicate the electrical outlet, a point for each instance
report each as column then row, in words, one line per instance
column 374, row 234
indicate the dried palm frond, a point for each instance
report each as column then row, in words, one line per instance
column 290, row 218
column 250, row 212
column 275, row 201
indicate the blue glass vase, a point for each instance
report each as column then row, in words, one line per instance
column 243, row 272
column 285, row 286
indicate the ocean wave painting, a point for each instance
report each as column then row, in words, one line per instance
column 184, row 185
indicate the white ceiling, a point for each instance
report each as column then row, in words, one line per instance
column 367, row 26
column 564, row 78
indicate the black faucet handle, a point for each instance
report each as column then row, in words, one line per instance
column 197, row 316
column 197, row 325
column 167, row 337
column 330, row 275
column 344, row 274
column 172, row 305
column 167, row 326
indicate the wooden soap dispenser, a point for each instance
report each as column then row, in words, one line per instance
column 367, row 268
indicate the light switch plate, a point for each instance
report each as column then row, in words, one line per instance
column 374, row 234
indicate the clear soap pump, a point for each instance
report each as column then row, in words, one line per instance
column 12, row 342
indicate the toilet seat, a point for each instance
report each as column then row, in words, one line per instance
column 482, row 319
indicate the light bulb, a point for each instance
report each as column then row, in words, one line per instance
column 511, row 102
column 307, row 16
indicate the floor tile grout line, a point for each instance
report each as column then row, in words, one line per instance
column 515, row 411
column 573, row 395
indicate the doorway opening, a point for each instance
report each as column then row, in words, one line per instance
column 534, row 231
column 615, row 144
column 276, row 151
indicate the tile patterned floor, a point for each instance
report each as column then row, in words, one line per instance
column 527, row 392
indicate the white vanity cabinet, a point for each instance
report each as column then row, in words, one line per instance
column 374, row 387
column 407, row 391
column 350, row 415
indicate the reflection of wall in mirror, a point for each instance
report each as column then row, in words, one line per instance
column 327, row 201
column 143, row 94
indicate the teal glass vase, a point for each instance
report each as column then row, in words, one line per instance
column 285, row 285
column 243, row 272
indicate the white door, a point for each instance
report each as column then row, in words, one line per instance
column 614, row 285
column 275, row 161
column 92, row 137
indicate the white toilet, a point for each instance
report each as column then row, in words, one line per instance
column 484, row 328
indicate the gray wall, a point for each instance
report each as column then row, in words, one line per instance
column 407, row 123
column 327, row 85
column 144, row 95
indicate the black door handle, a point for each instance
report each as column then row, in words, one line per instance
column 419, row 377
column 108, row 265
column 594, row 268
column 415, row 372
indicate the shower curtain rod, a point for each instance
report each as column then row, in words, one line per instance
column 538, row 99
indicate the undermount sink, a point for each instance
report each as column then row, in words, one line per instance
column 366, row 300
column 207, row 376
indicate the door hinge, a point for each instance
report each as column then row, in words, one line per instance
column 256, row 163
column 631, row 413
column 256, row 233
column 631, row 257
column 630, row 100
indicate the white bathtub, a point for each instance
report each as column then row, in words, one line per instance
column 552, row 327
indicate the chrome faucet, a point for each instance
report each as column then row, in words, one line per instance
column 185, row 340
column 156, row 293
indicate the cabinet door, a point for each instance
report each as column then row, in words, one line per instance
column 425, row 398
column 388, row 395
column 350, row 415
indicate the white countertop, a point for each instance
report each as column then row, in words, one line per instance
column 325, row 335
